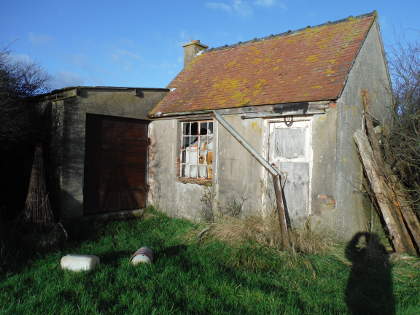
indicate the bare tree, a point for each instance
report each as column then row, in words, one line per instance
column 20, row 129
column 402, row 143
column 19, row 78
column 18, row 117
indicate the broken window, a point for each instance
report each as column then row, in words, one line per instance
column 196, row 154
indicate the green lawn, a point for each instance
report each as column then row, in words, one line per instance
column 191, row 277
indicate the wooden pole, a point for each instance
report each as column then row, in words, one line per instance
column 278, row 189
column 396, row 195
column 399, row 236
column 281, row 213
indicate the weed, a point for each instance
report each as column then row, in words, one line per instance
column 207, row 204
column 265, row 231
column 234, row 208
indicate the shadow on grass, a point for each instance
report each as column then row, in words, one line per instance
column 113, row 258
column 21, row 244
column 369, row 287
column 171, row 251
column 24, row 242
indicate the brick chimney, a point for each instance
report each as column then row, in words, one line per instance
column 191, row 49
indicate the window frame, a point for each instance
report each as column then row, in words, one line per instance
column 181, row 163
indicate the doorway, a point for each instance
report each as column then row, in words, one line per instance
column 290, row 151
column 115, row 173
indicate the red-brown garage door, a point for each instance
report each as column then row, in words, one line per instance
column 115, row 164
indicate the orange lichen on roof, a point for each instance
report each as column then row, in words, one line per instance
column 307, row 65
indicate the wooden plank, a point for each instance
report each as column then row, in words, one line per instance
column 312, row 106
column 396, row 192
column 281, row 213
column 399, row 237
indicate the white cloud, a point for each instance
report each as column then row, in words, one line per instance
column 265, row 3
column 219, row 6
column 270, row 3
column 65, row 79
column 239, row 7
column 244, row 7
column 39, row 39
column 126, row 59
column 120, row 54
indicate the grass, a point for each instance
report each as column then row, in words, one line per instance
column 190, row 277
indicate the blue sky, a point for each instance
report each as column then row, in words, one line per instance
column 138, row 43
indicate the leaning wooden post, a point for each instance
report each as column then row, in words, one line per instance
column 278, row 189
column 399, row 236
column 281, row 212
column 395, row 193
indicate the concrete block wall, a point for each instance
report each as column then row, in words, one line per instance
column 68, row 134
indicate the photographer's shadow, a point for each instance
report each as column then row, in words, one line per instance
column 369, row 287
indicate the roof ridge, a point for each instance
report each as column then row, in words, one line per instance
column 289, row 32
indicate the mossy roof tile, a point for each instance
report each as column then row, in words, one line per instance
column 306, row 65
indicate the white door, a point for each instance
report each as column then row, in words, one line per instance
column 290, row 151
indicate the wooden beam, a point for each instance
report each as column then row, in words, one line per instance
column 278, row 189
column 396, row 192
column 283, row 109
column 245, row 144
column 399, row 237
column 281, row 212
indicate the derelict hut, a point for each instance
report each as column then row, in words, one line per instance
column 99, row 148
column 296, row 100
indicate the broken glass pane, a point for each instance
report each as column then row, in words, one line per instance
column 194, row 128
column 196, row 149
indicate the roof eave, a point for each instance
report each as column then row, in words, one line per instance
column 310, row 107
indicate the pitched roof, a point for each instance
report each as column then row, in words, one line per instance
column 310, row 64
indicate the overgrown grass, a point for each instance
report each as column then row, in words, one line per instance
column 265, row 231
column 190, row 277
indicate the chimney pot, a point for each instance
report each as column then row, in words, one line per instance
column 191, row 49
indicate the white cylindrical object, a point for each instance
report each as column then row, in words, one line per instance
column 79, row 262
column 142, row 255
column 140, row 259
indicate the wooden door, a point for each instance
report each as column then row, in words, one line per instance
column 115, row 164
column 290, row 151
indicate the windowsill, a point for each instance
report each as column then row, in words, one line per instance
column 198, row 181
